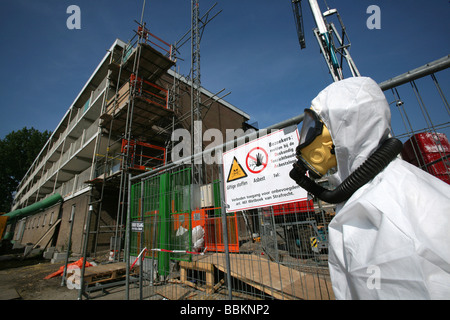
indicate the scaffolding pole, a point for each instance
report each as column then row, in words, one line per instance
column 196, row 127
column 420, row 72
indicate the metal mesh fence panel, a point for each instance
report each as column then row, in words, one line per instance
column 191, row 248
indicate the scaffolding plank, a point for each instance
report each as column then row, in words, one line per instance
column 145, row 115
column 201, row 266
column 152, row 63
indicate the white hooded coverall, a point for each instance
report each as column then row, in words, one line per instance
column 391, row 239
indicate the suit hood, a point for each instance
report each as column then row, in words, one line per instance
column 358, row 117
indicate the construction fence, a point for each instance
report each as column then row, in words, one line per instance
column 198, row 251
column 185, row 243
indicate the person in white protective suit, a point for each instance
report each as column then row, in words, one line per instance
column 390, row 238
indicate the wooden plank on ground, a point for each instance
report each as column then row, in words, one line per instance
column 105, row 272
column 272, row 278
column 44, row 235
column 9, row 294
column 174, row 292
column 105, row 268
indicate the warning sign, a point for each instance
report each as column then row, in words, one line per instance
column 256, row 160
column 313, row 242
column 258, row 172
column 137, row 226
column 236, row 171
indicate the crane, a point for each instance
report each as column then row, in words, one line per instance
column 326, row 35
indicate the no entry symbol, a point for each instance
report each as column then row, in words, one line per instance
column 257, row 160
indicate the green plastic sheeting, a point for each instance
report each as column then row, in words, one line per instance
column 35, row 207
column 159, row 202
column 164, row 231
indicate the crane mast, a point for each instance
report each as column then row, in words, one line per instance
column 327, row 38
column 298, row 16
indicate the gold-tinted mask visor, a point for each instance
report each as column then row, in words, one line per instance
column 316, row 149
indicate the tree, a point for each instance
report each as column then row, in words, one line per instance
column 18, row 150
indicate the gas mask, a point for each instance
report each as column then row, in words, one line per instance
column 315, row 149
column 315, row 154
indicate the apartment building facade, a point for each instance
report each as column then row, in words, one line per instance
column 119, row 124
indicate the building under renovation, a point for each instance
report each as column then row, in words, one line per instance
column 120, row 124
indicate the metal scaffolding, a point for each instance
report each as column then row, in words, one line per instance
column 135, row 103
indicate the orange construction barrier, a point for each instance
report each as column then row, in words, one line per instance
column 78, row 263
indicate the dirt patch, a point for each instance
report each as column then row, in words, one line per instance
column 24, row 279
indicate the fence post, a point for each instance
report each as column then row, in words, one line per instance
column 85, row 246
column 128, row 241
column 225, row 232
column 142, row 245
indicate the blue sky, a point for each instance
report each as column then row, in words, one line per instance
column 250, row 49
